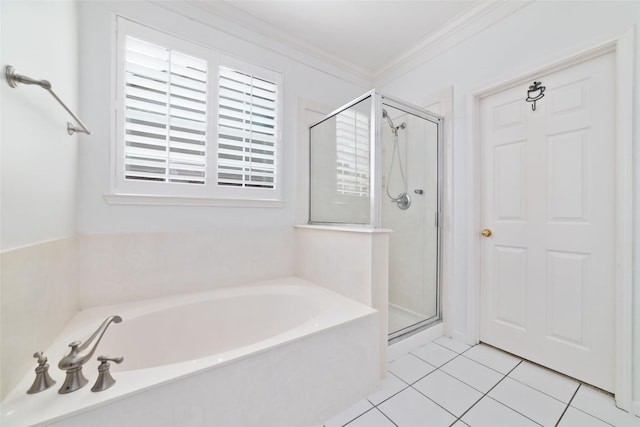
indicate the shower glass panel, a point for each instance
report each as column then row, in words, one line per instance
column 376, row 163
column 340, row 178
column 409, row 203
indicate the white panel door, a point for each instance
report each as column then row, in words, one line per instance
column 548, row 196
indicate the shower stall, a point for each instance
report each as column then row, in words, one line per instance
column 376, row 162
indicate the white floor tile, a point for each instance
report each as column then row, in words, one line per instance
column 546, row 381
column 451, row 344
column 373, row 418
column 353, row 412
column 410, row 409
column 453, row 395
column 493, row 358
column 489, row 413
column 472, row 373
column 533, row 404
column 388, row 387
column 435, row 354
column 602, row 406
column 410, row 368
column 576, row 418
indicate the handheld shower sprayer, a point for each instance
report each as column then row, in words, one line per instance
column 393, row 127
column 403, row 200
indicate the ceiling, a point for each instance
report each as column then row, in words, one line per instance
column 366, row 35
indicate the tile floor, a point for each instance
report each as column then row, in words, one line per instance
column 446, row 383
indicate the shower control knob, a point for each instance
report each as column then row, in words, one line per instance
column 487, row 232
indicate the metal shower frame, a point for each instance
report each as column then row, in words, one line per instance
column 375, row 182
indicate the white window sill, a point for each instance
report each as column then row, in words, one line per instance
column 149, row 200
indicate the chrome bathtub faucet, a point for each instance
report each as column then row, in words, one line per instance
column 80, row 354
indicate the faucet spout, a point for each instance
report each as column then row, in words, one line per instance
column 79, row 355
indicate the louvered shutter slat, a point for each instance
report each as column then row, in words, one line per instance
column 352, row 153
column 165, row 114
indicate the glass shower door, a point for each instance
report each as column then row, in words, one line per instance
column 409, row 207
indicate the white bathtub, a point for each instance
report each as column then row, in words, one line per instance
column 277, row 353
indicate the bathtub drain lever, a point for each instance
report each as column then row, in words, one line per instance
column 105, row 380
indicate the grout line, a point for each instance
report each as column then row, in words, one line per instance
column 386, row 416
column 546, row 394
column 445, row 409
column 520, row 360
column 568, row 404
column 435, row 368
column 353, row 419
column 450, row 349
column 394, row 394
column 594, row 416
column 488, row 391
column 449, row 361
column 519, row 413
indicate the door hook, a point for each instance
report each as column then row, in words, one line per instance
column 535, row 92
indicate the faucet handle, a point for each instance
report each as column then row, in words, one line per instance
column 42, row 360
column 105, row 380
column 43, row 381
column 104, row 359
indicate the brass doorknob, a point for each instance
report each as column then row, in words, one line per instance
column 487, row 232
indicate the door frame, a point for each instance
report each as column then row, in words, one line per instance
column 622, row 46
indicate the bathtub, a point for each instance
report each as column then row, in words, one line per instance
column 276, row 353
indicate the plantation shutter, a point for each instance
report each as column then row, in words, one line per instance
column 165, row 114
column 352, row 153
column 247, row 130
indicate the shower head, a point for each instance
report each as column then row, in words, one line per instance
column 385, row 115
column 393, row 127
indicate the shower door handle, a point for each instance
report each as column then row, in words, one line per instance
column 486, row 232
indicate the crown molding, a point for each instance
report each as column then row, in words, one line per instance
column 225, row 17
column 228, row 11
column 461, row 28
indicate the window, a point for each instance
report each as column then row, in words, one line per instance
column 352, row 153
column 247, row 135
column 193, row 122
column 165, row 114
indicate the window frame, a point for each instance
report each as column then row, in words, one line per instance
column 131, row 191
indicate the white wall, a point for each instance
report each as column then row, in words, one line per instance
column 39, row 174
column 96, row 47
column 538, row 34
column 39, row 158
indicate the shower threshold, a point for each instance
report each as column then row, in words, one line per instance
column 403, row 321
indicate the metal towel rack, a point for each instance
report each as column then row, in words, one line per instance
column 13, row 78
